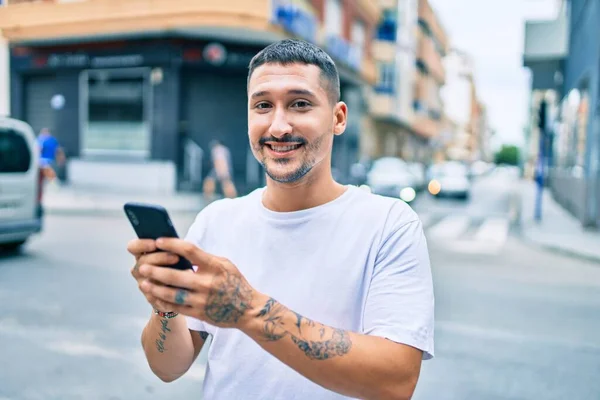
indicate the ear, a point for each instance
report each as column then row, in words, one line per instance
column 340, row 118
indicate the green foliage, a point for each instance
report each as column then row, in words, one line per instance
column 508, row 154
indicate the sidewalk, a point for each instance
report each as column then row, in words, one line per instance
column 559, row 230
column 66, row 200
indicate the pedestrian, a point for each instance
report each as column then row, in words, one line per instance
column 51, row 154
column 221, row 172
column 308, row 288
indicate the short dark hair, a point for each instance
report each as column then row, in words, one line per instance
column 291, row 51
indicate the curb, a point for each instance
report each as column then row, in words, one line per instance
column 560, row 250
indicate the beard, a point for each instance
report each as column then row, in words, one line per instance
column 307, row 153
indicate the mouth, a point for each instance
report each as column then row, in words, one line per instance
column 283, row 149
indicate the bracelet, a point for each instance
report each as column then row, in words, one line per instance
column 167, row 315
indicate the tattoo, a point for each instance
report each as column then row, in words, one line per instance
column 203, row 335
column 180, row 296
column 228, row 299
column 315, row 348
column 162, row 335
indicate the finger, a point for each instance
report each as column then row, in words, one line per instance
column 167, row 294
column 188, row 250
column 138, row 247
column 159, row 258
column 168, row 276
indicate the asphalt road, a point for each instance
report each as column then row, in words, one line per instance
column 512, row 322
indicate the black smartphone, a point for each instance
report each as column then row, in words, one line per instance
column 152, row 221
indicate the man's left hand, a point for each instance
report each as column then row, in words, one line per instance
column 216, row 293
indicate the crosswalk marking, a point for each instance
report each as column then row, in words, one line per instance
column 464, row 233
column 493, row 230
column 450, row 227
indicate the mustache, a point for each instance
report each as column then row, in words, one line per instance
column 284, row 139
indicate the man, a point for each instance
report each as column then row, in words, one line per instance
column 51, row 153
column 222, row 172
column 309, row 289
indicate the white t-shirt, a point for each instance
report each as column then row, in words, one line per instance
column 358, row 263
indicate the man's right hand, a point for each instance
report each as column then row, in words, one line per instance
column 145, row 252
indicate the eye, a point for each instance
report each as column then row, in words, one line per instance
column 301, row 104
column 262, row 106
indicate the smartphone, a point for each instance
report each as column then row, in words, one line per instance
column 152, row 221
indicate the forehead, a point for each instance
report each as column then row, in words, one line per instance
column 273, row 76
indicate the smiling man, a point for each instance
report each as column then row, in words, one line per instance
column 310, row 289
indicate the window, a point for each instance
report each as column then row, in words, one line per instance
column 386, row 80
column 117, row 114
column 15, row 156
column 333, row 18
column 388, row 25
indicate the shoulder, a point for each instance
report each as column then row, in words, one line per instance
column 390, row 212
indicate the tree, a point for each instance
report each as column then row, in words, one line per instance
column 508, row 154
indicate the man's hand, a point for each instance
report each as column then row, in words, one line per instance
column 217, row 293
column 145, row 252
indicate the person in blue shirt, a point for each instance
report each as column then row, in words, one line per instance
column 51, row 153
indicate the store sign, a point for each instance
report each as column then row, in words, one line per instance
column 295, row 20
column 215, row 54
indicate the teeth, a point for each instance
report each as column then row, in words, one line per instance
column 284, row 148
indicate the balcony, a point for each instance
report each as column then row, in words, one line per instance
column 382, row 105
column 425, row 127
column 384, row 51
column 430, row 57
column 51, row 19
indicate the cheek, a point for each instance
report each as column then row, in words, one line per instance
column 257, row 126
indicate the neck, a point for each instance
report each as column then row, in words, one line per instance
column 311, row 191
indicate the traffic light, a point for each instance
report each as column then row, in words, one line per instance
column 542, row 115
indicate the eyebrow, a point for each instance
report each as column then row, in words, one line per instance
column 301, row 92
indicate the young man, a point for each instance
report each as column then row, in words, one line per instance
column 309, row 289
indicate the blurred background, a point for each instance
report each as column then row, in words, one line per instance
column 482, row 115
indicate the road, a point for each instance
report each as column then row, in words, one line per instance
column 512, row 321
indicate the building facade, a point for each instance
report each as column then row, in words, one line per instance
column 406, row 106
column 139, row 89
column 563, row 56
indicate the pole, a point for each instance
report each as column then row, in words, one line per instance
column 541, row 161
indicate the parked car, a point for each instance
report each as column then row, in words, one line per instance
column 449, row 179
column 21, row 184
column 418, row 170
column 390, row 176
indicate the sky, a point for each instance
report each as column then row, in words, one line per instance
column 492, row 32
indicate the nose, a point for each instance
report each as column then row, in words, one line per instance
column 280, row 125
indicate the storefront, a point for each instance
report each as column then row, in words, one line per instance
column 129, row 110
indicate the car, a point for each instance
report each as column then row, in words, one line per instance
column 390, row 177
column 21, row 184
column 449, row 179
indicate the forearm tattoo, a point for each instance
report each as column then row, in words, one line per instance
column 162, row 335
column 320, row 344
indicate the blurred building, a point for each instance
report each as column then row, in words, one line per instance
column 406, row 106
column 470, row 138
column 562, row 55
column 136, row 89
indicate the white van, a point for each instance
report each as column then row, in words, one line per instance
column 21, row 209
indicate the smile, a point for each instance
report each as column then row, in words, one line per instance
column 283, row 149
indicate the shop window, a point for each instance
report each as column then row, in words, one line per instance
column 117, row 118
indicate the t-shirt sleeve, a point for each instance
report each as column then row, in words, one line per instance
column 400, row 300
column 196, row 235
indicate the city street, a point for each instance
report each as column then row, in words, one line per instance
column 512, row 321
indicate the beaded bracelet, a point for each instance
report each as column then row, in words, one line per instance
column 167, row 315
